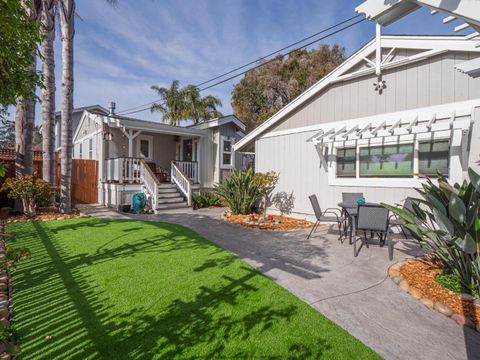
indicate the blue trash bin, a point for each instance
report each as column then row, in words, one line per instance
column 138, row 202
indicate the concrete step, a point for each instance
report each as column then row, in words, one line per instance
column 171, row 194
column 173, row 200
column 167, row 186
column 178, row 205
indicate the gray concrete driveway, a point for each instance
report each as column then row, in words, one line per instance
column 353, row 292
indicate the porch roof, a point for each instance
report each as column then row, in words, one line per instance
column 150, row 126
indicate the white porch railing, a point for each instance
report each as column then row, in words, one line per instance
column 182, row 181
column 190, row 169
column 150, row 183
column 122, row 170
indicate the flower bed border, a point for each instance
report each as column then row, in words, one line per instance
column 267, row 226
column 394, row 273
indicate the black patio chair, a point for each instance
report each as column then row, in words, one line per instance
column 372, row 218
column 322, row 217
column 351, row 197
column 394, row 220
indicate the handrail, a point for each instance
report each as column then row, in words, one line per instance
column 189, row 168
column 150, row 182
column 182, row 181
column 122, row 170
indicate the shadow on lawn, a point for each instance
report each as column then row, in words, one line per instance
column 57, row 298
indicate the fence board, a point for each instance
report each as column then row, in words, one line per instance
column 84, row 181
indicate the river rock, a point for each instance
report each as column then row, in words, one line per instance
column 397, row 279
column 403, row 285
column 393, row 272
column 462, row 320
column 467, row 297
column 443, row 308
column 415, row 292
column 427, row 302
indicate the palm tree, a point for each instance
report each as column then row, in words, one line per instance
column 200, row 108
column 67, row 16
column 25, row 112
column 47, row 18
column 172, row 103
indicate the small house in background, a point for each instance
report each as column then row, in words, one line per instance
column 393, row 113
column 167, row 163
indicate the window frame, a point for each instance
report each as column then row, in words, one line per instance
column 90, row 148
column 391, row 182
column 223, row 152
column 148, row 138
column 80, row 150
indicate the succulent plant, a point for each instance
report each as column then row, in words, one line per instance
column 446, row 221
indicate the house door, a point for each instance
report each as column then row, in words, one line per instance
column 187, row 150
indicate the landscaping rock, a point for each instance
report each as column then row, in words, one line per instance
column 462, row 320
column 3, row 297
column 397, row 279
column 4, row 279
column 4, row 312
column 416, row 293
column 5, row 356
column 393, row 272
column 477, row 302
column 477, row 327
column 467, row 297
column 427, row 302
column 442, row 308
column 403, row 285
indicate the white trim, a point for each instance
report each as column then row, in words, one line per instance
column 436, row 45
column 232, row 152
column 149, row 138
column 462, row 108
column 219, row 122
column 91, row 135
column 85, row 115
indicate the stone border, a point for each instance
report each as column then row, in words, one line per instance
column 442, row 308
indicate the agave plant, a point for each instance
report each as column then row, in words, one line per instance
column 239, row 191
column 446, row 221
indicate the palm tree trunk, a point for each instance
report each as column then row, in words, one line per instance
column 48, row 94
column 25, row 114
column 67, row 11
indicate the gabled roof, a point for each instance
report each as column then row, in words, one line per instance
column 97, row 108
column 219, row 122
column 425, row 47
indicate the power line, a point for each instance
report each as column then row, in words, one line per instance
column 128, row 112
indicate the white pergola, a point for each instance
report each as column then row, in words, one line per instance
column 385, row 12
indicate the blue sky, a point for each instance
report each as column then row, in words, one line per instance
column 120, row 51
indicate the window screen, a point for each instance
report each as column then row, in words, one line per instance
column 433, row 156
column 346, row 162
column 386, row 161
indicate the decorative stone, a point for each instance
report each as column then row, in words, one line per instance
column 5, row 356
column 427, row 302
column 442, row 308
column 477, row 302
column 393, row 272
column 403, row 285
column 463, row 321
column 416, row 293
column 397, row 279
column 4, row 279
column 477, row 327
column 3, row 297
column 467, row 297
column 4, row 312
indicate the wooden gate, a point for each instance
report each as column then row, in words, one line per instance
column 84, row 181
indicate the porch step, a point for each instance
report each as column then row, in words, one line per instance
column 166, row 186
column 167, row 190
column 178, row 205
column 172, row 200
column 171, row 194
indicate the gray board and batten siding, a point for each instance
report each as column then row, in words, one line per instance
column 425, row 83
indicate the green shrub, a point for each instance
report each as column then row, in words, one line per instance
column 448, row 224
column 32, row 192
column 239, row 191
column 205, row 200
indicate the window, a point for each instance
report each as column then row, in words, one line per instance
column 188, row 150
column 347, row 162
column 386, row 161
column 80, row 150
column 90, row 148
column 433, row 156
column 227, row 152
column 144, row 148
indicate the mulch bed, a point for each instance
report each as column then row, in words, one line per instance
column 273, row 222
column 42, row 215
column 421, row 274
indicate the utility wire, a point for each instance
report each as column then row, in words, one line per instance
column 128, row 112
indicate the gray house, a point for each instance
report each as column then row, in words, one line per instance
column 393, row 113
column 167, row 163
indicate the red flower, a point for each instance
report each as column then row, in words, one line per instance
column 270, row 217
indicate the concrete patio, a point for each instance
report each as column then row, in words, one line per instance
column 353, row 292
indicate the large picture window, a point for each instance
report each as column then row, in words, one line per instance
column 386, row 161
column 347, row 162
column 433, row 157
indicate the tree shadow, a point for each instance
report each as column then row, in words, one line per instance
column 54, row 296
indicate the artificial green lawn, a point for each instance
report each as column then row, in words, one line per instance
column 118, row 289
